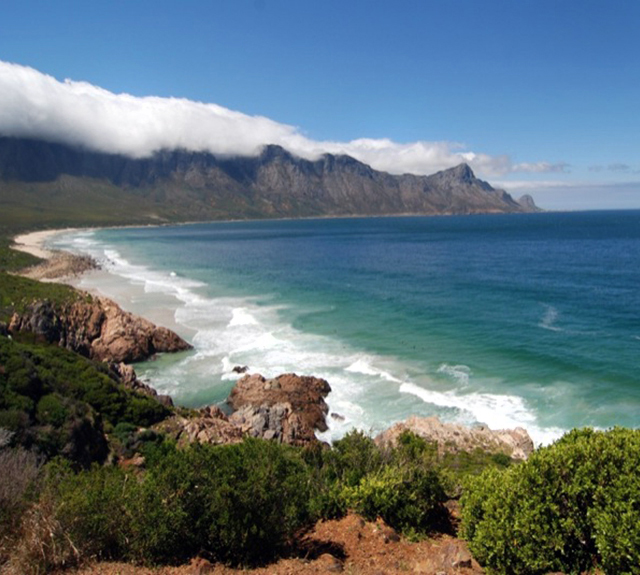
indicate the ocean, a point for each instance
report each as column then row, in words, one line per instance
column 528, row 320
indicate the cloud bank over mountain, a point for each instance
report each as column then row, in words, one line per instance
column 36, row 105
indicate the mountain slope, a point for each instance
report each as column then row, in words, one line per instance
column 52, row 182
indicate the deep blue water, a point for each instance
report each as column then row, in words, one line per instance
column 529, row 320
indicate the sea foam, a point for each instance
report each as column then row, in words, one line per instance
column 369, row 392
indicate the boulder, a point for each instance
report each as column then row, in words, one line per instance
column 288, row 408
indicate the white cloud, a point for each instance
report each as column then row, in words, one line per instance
column 33, row 104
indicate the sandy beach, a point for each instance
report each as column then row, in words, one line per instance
column 58, row 265
column 33, row 242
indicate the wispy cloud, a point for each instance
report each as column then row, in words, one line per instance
column 617, row 167
column 33, row 104
column 565, row 195
column 614, row 167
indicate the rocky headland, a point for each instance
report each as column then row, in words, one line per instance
column 98, row 328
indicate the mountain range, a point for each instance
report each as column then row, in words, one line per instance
column 57, row 184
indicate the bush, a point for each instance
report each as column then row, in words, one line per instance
column 90, row 507
column 409, row 498
column 55, row 400
column 573, row 505
column 349, row 460
column 244, row 501
column 241, row 504
column 402, row 485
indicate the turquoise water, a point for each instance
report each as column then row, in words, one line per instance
column 530, row 320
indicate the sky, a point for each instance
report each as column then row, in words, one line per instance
column 539, row 97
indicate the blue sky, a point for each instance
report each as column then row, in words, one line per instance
column 545, row 95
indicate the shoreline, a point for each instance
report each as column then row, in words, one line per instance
column 57, row 266
column 33, row 242
column 68, row 268
column 159, row 308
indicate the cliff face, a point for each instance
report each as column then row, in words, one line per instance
column 98, row 329
column 273, row 184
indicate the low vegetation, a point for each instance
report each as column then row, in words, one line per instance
column 59, row 403
column 573, row 506
column 17, row 292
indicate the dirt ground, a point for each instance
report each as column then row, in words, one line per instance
column 350, row 545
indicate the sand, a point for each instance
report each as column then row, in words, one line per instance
column 33, row 242
column 58, row 265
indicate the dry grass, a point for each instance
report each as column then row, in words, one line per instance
column 42, row 544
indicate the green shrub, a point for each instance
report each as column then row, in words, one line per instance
column 245, row 501
column 409, row 498
column 51, row 410
column 343, row 466
column 51, row 398
column 352, row 458
column 91, row 508
column 573, row 505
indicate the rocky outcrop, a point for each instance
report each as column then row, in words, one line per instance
column 97, row 328
column 207, row 425
column 527, row 202
column 451, row 437
column 288, row 408
column 60, row 265
column 127, row 377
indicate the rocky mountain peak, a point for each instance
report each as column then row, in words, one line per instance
column 463, row 172
column 458, row 177
column 272, row 152
column 526, row 201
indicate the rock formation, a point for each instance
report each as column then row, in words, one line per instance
column 528, row 204
column 127, row 377
column 97, row 328
column 207, row 425
column 516, row 443
column 288, row 408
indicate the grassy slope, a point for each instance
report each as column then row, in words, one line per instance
column 72, row 202
column 77, row 202
column 17, row 292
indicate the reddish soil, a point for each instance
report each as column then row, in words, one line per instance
column 350, row 545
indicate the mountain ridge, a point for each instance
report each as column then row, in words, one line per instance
column 175, row 185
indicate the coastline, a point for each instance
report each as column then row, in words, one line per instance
column 230, row 330
column 235, row 327
column 33, row 242
column 84, row 273
column 57, row 265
